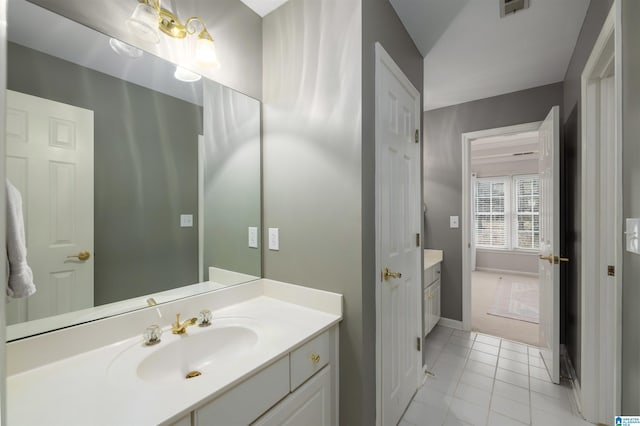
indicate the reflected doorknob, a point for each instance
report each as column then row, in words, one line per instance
column 387, row 274
column 82, row 256
column 554, row 259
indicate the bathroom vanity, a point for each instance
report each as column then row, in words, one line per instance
column 270, row 354
column 431, row 288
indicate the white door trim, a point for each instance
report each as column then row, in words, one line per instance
column 600, row 387
column 467, row 138
column 382, row 57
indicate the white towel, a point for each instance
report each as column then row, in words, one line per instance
column 20, row 277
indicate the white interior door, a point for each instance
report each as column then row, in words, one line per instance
column 398, row 209
column 50, row 160
column 549, row 268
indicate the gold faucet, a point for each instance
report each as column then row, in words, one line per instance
column 177, row 328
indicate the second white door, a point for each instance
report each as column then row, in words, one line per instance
column 549, row 268
column 50, row 160
column 398, row 207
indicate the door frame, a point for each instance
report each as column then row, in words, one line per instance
column 600, row 384
column 382, row 57
column 467, row 139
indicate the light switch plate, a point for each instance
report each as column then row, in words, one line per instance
column 186, row 220
column 253, row 237
column 631, row 234
column 454, row 222
column 274, row 239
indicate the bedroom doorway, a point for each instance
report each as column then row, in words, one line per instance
column 504, row 229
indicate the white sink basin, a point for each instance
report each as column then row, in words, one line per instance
column 201, row 350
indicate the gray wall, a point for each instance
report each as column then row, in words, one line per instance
column 380, row 23
column 236, row 29
column 231, row 179
column 631, row 204
column 145, row 173
column 570, row 154
column 312, row 164
column 318, row 142
column 443, row 170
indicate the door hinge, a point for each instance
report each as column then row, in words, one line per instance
column 611, row 270
column 419, row 344
column 417, row 240
column 417, row 136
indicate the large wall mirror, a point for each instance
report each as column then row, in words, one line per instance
column 136, row 186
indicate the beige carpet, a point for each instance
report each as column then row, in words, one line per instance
column 483, row 291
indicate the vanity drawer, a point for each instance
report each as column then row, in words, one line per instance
column 308, row 359
column 431, row 274
column 247, row 401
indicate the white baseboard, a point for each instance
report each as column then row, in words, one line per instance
column 455, row 324
column 506, row 271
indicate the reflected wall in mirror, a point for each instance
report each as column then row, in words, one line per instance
column 158, row 180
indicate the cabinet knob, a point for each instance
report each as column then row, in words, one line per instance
column 315, row 358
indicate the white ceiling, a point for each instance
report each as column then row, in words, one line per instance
column 264, row 7
column 480, row 55
column 505, row 148
column 426, row 20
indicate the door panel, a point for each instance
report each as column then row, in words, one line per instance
column 398, row 222
column 549, row 268
column 50, row 161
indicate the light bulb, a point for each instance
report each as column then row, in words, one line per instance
column 206, row 52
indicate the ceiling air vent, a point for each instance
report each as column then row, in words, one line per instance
column 508, row 7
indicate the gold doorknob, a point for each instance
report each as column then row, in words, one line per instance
column 547, row 258
column 387, row 274
column 315, row 358
column 83, row 256
column 554, row 259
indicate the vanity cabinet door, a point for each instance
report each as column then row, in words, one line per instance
column 310, row 405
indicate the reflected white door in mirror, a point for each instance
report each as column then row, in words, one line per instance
column 270, row 353
column 49, row 149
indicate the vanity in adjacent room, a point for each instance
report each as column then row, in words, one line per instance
column 431, row 285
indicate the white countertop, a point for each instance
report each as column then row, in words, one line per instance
column 432, row 257
column 81, row 389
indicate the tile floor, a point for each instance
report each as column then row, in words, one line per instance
column 487, row 381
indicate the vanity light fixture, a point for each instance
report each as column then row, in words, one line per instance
column 149, row 18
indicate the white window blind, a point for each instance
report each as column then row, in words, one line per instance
column 491, row 197
column 506, row 212
column 527, row 212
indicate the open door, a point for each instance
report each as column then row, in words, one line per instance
column 398, row 253
column 549, row 268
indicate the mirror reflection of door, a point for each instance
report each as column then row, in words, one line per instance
column 50, row 160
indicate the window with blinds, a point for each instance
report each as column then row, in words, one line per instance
column 491, row 197
column 506, row 212
column 527, row 212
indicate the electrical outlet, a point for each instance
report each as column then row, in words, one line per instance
column 253, row 237
column 454, row 222
column 186, row 220
column 274, row 239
